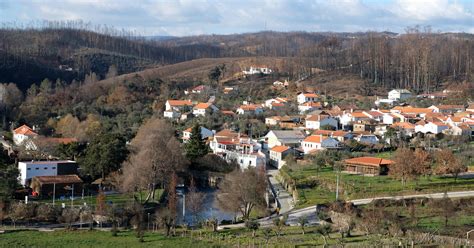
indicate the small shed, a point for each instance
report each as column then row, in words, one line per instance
column 367, row 166
column 62, row 185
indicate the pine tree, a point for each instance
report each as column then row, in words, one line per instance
column 196, row 147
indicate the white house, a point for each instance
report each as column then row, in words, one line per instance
column 201, row 109
column 280, row 100
column 278, row 154
column 30, row 169
column 309, row 106
column 174, row 108
column 250, row 109
column 430, row 127
column 291, row 138
column 318, row 121
column 318, row 142
column 447, row 109
column 399, row 94
column 307, row 97
column 22, row 134
column 367, row 139
column 258, row 70
column 205, row 133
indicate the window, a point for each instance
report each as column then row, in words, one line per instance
column 250, row 162
column 37, row 168
column 241, row 161
column 45, row 168
column 29, row 169
column 54, row 168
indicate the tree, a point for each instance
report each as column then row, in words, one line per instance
column 446, row 207
column 196, row 147
column 9, row 176
column 10, row 98
column 421, row 162
column 155, row 154
column 324, row 230
column 112, row 72
column 252, row 225
column 244, row 190
column 166, row 218
column 447, row 163
column 194, row 200
column 17, row 212
column 279, row 223
column 104, row 154
column 303, row 221
column 403, row 168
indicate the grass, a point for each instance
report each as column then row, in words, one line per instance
column 117, row 199
column 357, row 186
column 290, row 237
column 91, row 239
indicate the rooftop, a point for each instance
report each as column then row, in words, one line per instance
column 370, row 161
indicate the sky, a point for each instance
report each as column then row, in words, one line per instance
column 195, row 17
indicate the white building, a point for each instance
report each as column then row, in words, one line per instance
column 28, row 170
column 205, row 133
column 318, row 121
column 174, row 108
column 278, row 154
column 309, row 106
column 291, row 138
column 318, row 142
column 430, row 127
column 307, row 97
column 202, row 109
column 258, row 70
column 22, row 134
column 249, row 109
column 399, row 94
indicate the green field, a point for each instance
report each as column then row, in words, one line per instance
column 323, row 184
column 290, row 237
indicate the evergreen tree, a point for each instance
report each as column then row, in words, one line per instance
column 196, row 147
column 8, row 176
column 104, row 154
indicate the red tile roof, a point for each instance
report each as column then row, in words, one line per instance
column 280, row 148
column 315, row 139
column 180, row 103
column 25, row 130
column 317, row 117
column 370, row 161
column 202, row 105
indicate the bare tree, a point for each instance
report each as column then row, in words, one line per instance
column 194, row 200
column 155, row 154
column 446, row 208
column 244, row 190
column 403, row 168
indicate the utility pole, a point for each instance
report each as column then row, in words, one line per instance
column 184, row 205
column 337, row 186
column 72, row 196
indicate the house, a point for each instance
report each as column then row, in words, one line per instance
column 31, row 169
column 291, row 138
column 309, row 106
column 367, row 139
column 205, row 133
column 364, row 126
column 278, row 154
column 56, row 185
column 174, row 108
column 417, row 112
column 340, row 135
column 430, row 127
column 470, row 108
column 22, row 134
column 279, row 101
column 391, row 118
column 202, row 109
column 258, row 70
column 405, row 128
column 198, row 90
column 447, row 109
column 307, row 97
column 318, row 142
column 348, row 118
column 321, row 120
column 374, row 115
column 399, row 94
column 367, row 166
column 459, row 130
column 250, row 109
column 384, row 101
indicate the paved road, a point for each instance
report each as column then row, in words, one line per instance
column 284, row 198
column 459, row 194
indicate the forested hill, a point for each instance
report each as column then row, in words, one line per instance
column 418, row 60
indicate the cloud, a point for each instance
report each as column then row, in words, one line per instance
column 189, row 17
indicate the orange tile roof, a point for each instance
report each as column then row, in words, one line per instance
column 338, row 133
column 404, row 125
column 312, row 104
column 180, row 103
column 315, row 138
column 277, row 104
column 202, row 105
column 227, row 112
column 252, row 107
column 280, row 148
column 317, row 117
column 412, row 110
column 370, row 161
column 25, row 130
column 359, row 115
column 310, row 95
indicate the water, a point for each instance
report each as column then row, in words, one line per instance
column 210, row 209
